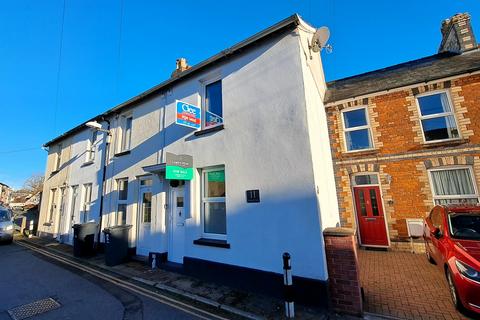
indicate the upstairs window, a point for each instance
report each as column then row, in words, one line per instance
column 90, row 152
column 213, row 104
column 58, row 158
column 357, row 129
column 453, row 186
column 436, row 116
column 125, row 133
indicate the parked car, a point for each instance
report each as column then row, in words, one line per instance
column 452, row 241
column 6, row 225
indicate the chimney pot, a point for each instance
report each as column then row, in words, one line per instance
column 181, row 65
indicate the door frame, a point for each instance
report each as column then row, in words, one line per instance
column 72, row 206
column 61, row 212
column 139, row 203
column 352, row 187
column 172, row 205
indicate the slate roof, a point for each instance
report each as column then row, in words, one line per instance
column 434, row 67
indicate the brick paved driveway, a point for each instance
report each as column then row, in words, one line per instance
column 404, row 285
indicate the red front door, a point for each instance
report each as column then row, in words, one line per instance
column 371, row 220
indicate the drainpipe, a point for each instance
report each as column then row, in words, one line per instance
column 105, row 159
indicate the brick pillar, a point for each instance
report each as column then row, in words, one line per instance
column 343, row 272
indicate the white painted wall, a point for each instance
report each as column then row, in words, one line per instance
column 265, row 145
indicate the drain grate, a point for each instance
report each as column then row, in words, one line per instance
column 33, row 309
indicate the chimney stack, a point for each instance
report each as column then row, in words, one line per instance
column 181, row 66
column 457, row 34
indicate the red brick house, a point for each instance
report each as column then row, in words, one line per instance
column 407, row 137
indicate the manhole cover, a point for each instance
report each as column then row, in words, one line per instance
column 33, row 309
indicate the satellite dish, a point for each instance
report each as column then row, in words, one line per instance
column 319, row 39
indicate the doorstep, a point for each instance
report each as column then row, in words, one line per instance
column 241, row 303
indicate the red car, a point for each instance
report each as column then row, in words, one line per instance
column 452, row 241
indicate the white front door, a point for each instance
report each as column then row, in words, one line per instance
column 176, row 243
column 145, row 219
column 61, row 235
column 73, row 219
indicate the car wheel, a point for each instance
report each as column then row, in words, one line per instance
column 429, row 256
column 453, row 291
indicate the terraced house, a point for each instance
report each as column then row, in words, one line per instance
column 262, row 183
column 407, row 137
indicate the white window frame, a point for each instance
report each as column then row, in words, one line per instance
column 204, row 199
column 86, row 201
column 452, row 197
column 122, row 135
column 352, row 178
column 205, row 83
column 52, row 208
column 367, row 126
column 120, row 201
column 90, row 150
column 58, row 157
column 437, row 115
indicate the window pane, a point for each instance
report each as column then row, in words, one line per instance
column 366, row 179
column 212, row 119
column 147, row 207
column 215, row 218
column 213, row 98
column 355, row 118
column 358, row 139
column 457, row 201
column 146, row 182
column 440, row 128
column 121, row 214
column 436, row 103
column 363, row 208
column 452, row 182
column 122, row 189
column 127, row 134
column 215, row 184
column 373, row 199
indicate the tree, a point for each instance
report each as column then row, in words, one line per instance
column 34, row 184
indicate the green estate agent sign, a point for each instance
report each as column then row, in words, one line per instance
column 179, row 167
column 216, row 176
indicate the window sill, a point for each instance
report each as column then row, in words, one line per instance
column 123, row 153
column 360, row 152
column 85, row 164
column 453, row 142
column 212, row 243
column 209, row 130
column 47, row 224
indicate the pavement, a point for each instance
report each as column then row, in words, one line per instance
column 228, row 302
column 405, row 285
column 26, row 277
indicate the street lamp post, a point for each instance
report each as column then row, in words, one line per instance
column 98, row 127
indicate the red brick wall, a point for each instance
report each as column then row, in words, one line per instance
column 343, row 274
column 400, row 155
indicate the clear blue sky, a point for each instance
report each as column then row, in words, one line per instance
column 95, row 75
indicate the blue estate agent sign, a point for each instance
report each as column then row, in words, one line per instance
column 188, row 115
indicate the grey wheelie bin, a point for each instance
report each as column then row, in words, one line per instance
column 116, row 244
column 84, row 239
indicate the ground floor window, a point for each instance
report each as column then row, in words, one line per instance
column 453, row 185
column 122, row 190
column 213, row 202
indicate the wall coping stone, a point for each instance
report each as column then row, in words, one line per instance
column 339, row 232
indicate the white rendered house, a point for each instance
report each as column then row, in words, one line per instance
column 263, row 181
